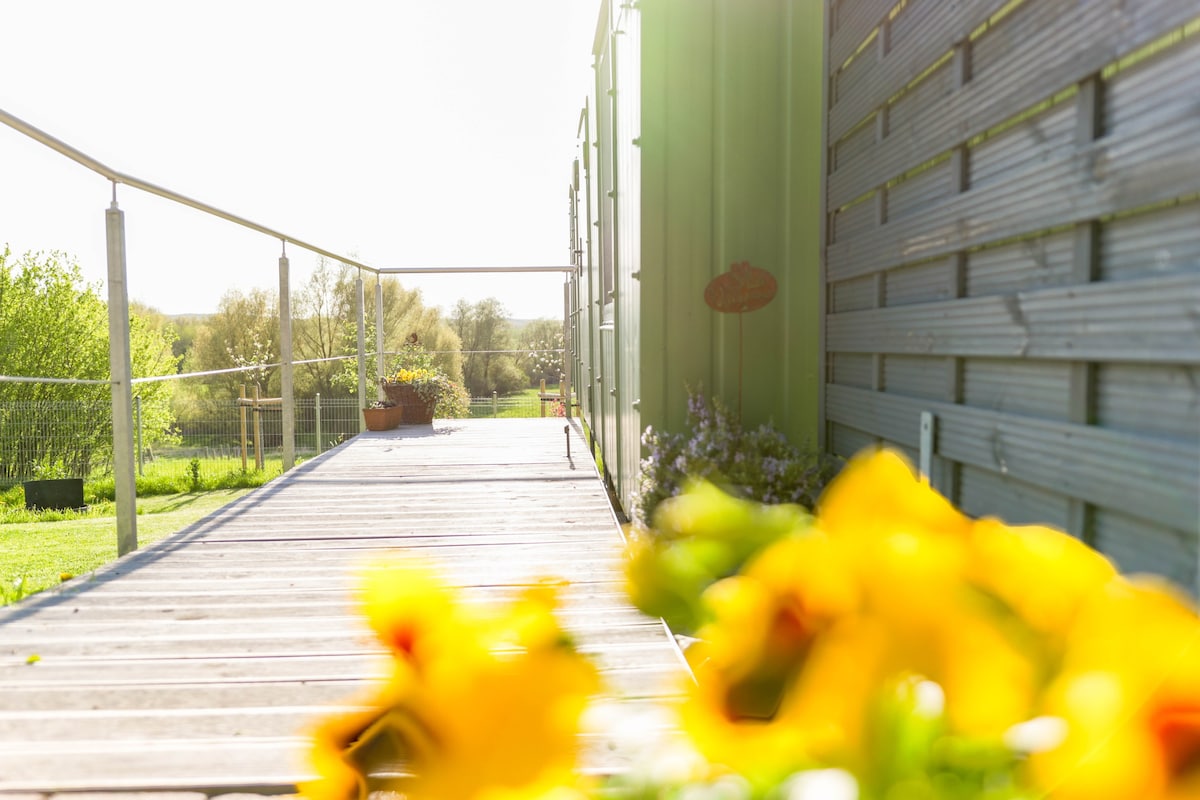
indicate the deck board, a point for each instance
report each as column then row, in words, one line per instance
column 196, row 664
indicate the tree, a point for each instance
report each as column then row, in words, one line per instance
column 486, row 334
column 243, row 333
column 53, row 325
column 321, row 311
column 541, row 345
column 404, row 314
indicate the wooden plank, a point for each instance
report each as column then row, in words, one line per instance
column 1150, row 477
column 1117, row 173
column 1086, row 38
column 855, row 22
column 197, row 663
column 1146, row 320
column 909, row 55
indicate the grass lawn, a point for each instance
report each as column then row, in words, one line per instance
column 35, row 555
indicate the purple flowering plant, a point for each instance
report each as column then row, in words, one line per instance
column 757, row 463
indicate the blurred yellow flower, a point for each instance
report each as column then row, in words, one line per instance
column 481, row 703
column 1129, row 692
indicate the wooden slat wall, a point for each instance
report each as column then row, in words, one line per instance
column 1014, row 245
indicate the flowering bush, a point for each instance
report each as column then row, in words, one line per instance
column 887, row 648
column 759, row 463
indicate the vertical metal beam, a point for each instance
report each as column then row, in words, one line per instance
column 287, row 386
column 121, row 371
column 380, row 367
column 362, row 350
column 568, row 356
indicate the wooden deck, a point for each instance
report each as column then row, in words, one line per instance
column 195, row 664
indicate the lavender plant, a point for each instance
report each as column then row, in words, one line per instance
column 758, row 464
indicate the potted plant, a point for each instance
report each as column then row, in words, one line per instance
column 417, row 392
column 421, row 389
column 382, row 415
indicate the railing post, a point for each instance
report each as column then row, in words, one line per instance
column 258, row 453
column 242, row 419
column 286, row 384
column 317, row 420
column 362, row 352
column 121, row 373
column 137, row 415
column 379, row 366
column 495, row 405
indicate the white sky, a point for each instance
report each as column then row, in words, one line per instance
column 398, row 132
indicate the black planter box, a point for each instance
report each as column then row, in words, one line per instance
column 58, row 493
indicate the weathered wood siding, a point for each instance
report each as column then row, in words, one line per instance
column 1013, row 243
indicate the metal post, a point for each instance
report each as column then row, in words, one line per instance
column 317, row 420
column 137, row 415
column 495, row 405
column 286, row 384
column 121, row 372
column 926, row 451
column 362, row 353
column 564, row 383
column 257, row 409
column 380, row 368
column 242, row 418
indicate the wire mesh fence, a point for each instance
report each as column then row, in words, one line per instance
column 71, row 439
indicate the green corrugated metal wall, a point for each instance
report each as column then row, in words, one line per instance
column 711, row 146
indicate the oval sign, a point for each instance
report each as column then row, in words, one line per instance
column 742, row 288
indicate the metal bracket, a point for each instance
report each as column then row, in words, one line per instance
column 928, row 422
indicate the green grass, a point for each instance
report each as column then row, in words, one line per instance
column 34, row 555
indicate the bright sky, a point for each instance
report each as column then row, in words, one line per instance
column 397, row 132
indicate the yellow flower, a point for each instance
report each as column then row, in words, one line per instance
column 1042, row 574
column 1129, row 692
column 878, row 493
column 481, row 704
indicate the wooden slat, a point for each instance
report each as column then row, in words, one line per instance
column 1117, row 173
column 197, row 664
column 1150, row 320
column 1085, row 39
column 909, row 56
column 856, row 20
column 1150, row 477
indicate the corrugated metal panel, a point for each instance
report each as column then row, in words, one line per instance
column 628, row 101
column 1153, row 399
column 1137, row 96
column 1159, row 242
column 853, row 295
column 1137, row 546
column 1081, row 44
column 852, row 369
column 984, row 493
column 1047, row 135
column 1040, row 388
column 1045, row 261
column 916, row 376
column 920, row 283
